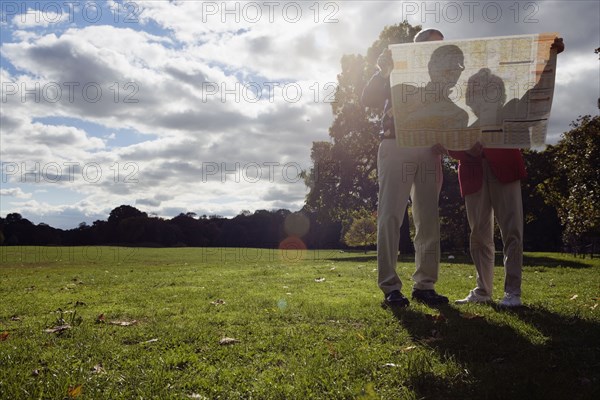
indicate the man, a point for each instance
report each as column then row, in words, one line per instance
column 424, row 109
column 490, row 182
column 402, row 172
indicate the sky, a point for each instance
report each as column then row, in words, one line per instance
column 212, row 107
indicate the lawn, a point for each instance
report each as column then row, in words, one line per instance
column 193, row 323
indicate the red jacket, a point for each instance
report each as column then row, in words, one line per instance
column 507, row 165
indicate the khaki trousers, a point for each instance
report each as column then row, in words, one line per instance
column 404, row 172
column 503, row 200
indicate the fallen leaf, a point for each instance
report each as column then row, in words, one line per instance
column 58, row 329
column 594, row 306
column 467, row 315
column 98, row 369
column 15, row 318
column 227, row 341
column 574, row 297
column 197, row 396
column 123, row 323
column 407, row 349
column 361, row 337
column 436, row 317
column 35, row 372
column 331, row 349
column 74, row 391
column 100, row 319
column 3, row 336
column 151, row 341
column 319, row 280
column 390, row 365
column 217, row 302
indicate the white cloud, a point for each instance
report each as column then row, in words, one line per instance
column 573, row 67
column 41, row 17
column 15, row 192
column 65, row 216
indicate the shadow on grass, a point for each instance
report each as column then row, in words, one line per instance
column 541, row 261
column 362, row 257
column 459, row 258
column 502, row 363
column 528, row 261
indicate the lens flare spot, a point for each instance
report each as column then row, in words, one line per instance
column 296, row 224
column 292, row 249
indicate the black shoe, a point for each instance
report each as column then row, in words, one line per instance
column 429, row 297
column 395, row 299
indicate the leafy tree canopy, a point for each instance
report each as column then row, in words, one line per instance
column 574, row 188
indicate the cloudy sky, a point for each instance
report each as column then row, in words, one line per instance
column 212, row 107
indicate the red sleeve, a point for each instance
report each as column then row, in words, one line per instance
column 459, row 155
column 507, row 165
column 470, row 172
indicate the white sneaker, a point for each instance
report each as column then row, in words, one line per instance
column 510, row 300
column 473, row 297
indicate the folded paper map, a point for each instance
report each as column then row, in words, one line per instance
column 497, row 91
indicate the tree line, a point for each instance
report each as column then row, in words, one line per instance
column 128, row 226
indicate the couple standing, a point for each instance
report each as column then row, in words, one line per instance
column 489, row 181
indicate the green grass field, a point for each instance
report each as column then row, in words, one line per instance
column 136, row 323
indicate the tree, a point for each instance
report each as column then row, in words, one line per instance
column 123, row 212
column 18, row 230
column 454, row 228
column 13, row 218
column 542, row 227
column 362, row 232
column 344, row 173
column 597, row 51
column 574, row 188
column 135, row 230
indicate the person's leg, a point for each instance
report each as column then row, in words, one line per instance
column 395, row 179
column 481, row 221
column 508, row 207
column 425, row 195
